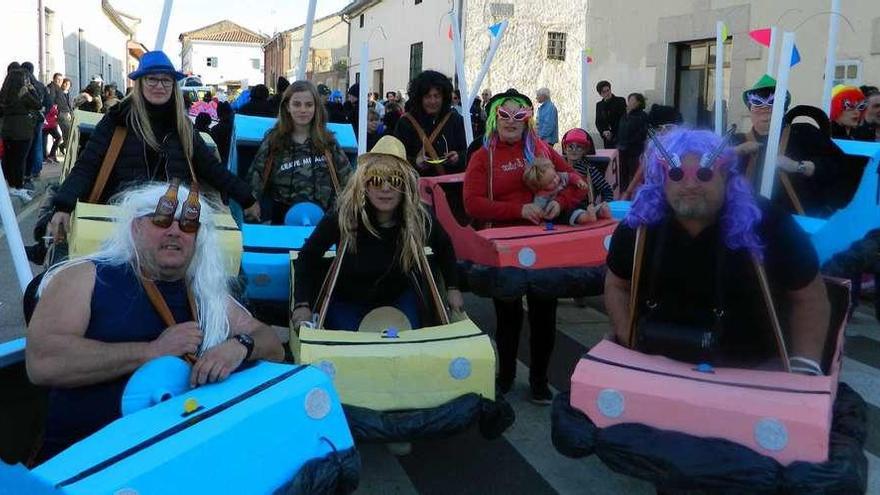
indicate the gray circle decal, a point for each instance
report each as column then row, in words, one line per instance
column 460, row 368
column 610, row 403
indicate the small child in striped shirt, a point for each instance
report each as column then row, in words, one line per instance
column 576, row 145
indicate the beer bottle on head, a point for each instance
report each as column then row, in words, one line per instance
column 164, row 214
column 189, row 218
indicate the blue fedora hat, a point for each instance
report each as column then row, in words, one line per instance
column 156, row 62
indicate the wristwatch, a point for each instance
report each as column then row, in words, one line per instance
column 247, row 341
column 801, row 168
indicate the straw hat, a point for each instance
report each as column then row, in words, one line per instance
column 388, row 146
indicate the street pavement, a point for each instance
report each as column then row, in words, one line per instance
column 523, row 461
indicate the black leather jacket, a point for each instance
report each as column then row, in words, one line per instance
column 137, row 163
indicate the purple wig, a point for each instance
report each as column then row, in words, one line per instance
column 740, row 215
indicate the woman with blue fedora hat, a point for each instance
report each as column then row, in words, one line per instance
column 159, row 144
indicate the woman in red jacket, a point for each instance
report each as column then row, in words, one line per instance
column 494, row 192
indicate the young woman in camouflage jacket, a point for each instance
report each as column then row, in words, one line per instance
column 298, row 160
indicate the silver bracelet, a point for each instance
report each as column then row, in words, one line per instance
column 803, row 365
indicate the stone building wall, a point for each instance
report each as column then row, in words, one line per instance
column 521, row 61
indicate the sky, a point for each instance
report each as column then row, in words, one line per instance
column 266, row 16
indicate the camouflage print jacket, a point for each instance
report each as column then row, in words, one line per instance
column 299, row 174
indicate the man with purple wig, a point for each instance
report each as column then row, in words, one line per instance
column 705, row 239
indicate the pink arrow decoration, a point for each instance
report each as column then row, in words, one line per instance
column 762, row 36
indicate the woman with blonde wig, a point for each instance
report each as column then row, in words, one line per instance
column 158, row 144
column 383, row 226
column 299, row 159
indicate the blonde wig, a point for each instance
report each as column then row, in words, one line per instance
column 205, row 275
column 354, row 206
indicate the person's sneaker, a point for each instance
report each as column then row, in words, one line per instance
column 399, row 448
column 541, row 394
column 29, row 185
column 503, row 384
column 36, row 253
column 21, row 194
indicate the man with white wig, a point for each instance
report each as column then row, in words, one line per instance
column 157, row 287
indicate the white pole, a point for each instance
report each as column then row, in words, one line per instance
column 771, row 55
column 362, row 99
column 163, row 25
column 776, row 117
column 719, row 77
column 307, row 40
column 585, row 90
column 13, row 238
column 831, row 55
column 458, row 45
column 493, row 47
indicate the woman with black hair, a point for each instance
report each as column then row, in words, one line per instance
column 632, row 131
column 431, row 132
column 19, row 107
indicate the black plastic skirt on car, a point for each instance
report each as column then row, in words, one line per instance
column 457, row 415
column 675, row 461
column 511, row 282
column 336, row 473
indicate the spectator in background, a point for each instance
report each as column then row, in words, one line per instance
column 65, row 112
column 241, row 99
column 869, row 130
column 109, row 97
column 376, row 104
column 477, row 122
column 55, row 86
column 609, row 110
column 280, row 86
column 335, row 110
column 456, row 101
column 350, row 107
column 90, row 99
column 375, row 128
column 548, row 119
column 259, row 103
column 390, row 97
column 221, row 133
column 485, row 96
column 661, row 119
column 19, row 105
column 393, row 112
column 203, row 122
column 35, row 155
column 187, row 101
column 50, row 128
column 632, row 131
column 54, row 89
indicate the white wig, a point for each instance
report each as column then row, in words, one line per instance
column 206, row 274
